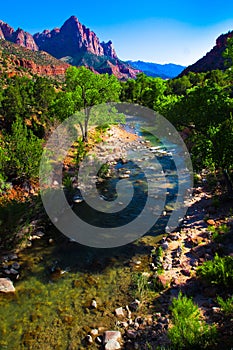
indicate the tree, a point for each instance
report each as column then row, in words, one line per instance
column 228, row 53
column 90, row 89
column 24, row 150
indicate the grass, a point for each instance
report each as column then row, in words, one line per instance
column 226, row 305
column 189, row 331
column 218, row 233
column 140, row 285
column 217, row 271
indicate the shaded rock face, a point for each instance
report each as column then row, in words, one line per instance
column 19, row 37
column 49, row 70
column 213, row 59
column 5, row 31
column 109, row 49
column 33, row 62
column 71, row 39
column 22, row 38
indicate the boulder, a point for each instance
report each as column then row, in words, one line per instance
column 6, row 285
column 120, row 312
column 111, row 335
column 112, row 345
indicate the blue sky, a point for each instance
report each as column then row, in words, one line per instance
column 155, row 31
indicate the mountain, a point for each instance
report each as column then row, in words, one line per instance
column 17, row 60
column 213, row 59
column 72, row 43
column 164, row 71
column 19, row 37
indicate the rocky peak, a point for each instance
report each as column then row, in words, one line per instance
column 69, row 40
column 1, row 34
column 5, row 30
column 213, row 59
column 73, row 43
column 24, row 39
column 109, row 49
column 222, row 40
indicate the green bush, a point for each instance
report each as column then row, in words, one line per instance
column 226, row 305
column 218, row 233
column 218, row 271
column 24, row 151
column 189, row 331
column 3, row 164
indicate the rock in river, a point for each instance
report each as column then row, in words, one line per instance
column 6, row 285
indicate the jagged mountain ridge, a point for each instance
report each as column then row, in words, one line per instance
column 73, row 43
column 71, row 39
column 165, row 71
column 213, row 59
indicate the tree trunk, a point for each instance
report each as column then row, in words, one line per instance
column 87, row 117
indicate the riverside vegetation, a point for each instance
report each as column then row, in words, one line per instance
column 159, row 311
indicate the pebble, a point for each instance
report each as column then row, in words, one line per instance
column 135, row 305
column 131, row 334
column 15, row 266
column 89, row 339
column 128, row 311
column 94, row 304
column 112, row 345
column 119, row 312
column 164, row 246
column 98, row 340
column 111, row 336
column 94, row 332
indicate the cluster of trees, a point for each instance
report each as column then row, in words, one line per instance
column 30, row 108
column 200, row 103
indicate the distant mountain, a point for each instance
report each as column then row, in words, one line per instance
column 164, row 71
column 213, row 59
column 17, row 60
column 74, row 44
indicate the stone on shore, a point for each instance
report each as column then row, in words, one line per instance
column 111, row 335
column 6, row 285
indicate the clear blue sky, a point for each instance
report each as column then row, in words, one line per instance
column 155, row 31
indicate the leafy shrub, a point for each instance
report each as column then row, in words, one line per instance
column 24, row 151
column 218, row 233
column 3, row 163
column 188, row 330
column 226, row 305
column 218, row 271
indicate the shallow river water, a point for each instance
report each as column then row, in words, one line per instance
column 51, row 308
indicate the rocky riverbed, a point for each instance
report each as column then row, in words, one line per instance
column 90, row 298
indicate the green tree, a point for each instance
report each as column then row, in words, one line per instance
column 228, row 53
column 90, row 89
column 24, row 150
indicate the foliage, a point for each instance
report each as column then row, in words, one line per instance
column 218, row 232
column 189, row 331
column 226, row 305
column 144, row 90
column 218, row 271
column 228, row 53
column 140, row 285
column 24, row 150
column 88, row 90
